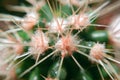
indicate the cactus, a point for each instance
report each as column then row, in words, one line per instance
column 59, row 40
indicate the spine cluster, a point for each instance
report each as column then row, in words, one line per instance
column 59, row 40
